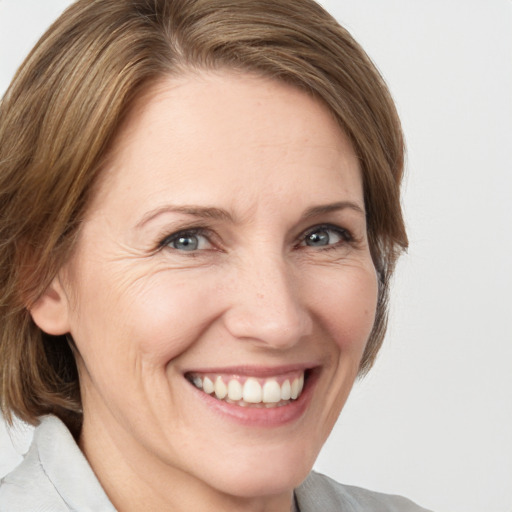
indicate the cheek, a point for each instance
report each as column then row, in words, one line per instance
column 347, row 306
column 131, row 319
column 127, row 336
column 162, row 316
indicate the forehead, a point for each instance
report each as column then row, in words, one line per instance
column 203, row 137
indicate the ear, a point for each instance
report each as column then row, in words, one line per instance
column 51, row 311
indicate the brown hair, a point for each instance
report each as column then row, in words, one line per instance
column 67, row 101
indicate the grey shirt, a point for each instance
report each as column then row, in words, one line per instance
column 55, row 477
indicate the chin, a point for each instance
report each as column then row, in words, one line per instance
column 263, row 481
column 266, row 473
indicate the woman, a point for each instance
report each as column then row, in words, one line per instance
column 200, row 218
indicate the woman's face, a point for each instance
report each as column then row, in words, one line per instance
column 225, row 249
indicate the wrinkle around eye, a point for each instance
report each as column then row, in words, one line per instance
column 349, row 259
column 137, row 276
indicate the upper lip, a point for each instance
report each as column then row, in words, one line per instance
column 254, row 371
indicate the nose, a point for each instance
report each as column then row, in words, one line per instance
column 266, row 305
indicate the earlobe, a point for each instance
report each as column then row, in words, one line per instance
column 50, row 312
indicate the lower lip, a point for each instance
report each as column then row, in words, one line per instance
column 262, row 416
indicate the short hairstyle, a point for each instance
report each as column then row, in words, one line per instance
column 66, row 103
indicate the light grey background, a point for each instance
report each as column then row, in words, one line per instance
column 433, row 420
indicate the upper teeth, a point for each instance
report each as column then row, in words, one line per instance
column 253, row 391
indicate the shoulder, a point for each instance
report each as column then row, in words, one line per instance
column 321, row 493
column 27, row 488
column 54, row 476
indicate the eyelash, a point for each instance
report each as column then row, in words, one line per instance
column 343, row 233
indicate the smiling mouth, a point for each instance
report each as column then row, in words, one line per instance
column 251, row 391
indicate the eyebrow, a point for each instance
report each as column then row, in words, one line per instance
column 333, row 207
column 207, row 212
column 204, row 212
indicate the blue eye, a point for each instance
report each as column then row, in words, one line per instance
column 323, row 236
column 186, row 241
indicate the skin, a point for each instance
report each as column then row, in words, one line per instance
column 254, row 294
